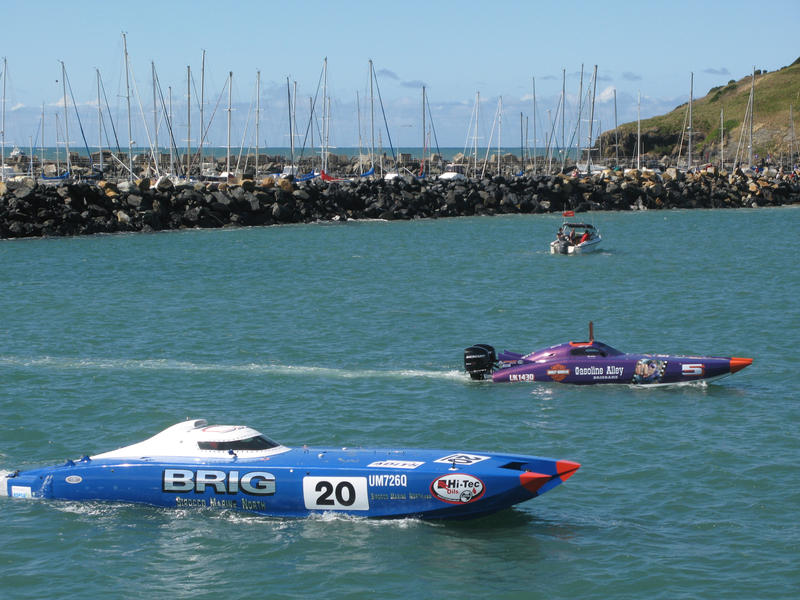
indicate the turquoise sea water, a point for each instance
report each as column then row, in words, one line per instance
column 352, row 334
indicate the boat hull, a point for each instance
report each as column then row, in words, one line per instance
column 582, row 248
column 635, row 369
column 593, row 362
column 372, row 483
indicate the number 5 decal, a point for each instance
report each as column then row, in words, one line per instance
column 693, row 370
column 335, row 493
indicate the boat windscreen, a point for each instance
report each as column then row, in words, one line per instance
column 258, row 442
column 587, row 351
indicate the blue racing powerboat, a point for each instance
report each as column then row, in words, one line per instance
column 194, row 465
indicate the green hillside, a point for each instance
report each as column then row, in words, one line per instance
column 774, row 93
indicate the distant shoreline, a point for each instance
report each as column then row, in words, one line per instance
column 219, row 152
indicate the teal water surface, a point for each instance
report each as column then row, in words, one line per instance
column 352, row 334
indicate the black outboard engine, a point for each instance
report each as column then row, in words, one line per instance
column 480, row 360
column 563, row 246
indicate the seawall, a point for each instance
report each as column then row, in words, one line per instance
column 28, row 209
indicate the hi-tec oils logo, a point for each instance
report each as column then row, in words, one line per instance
column 457, row 488
column 557, row 372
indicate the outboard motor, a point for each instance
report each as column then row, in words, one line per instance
column 563, row 246
column 480, row 360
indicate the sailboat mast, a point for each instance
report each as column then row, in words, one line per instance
column 311, row 119
column 475, row 137
column 294, row 117
column 328, row 130
column 228, row 146
column 721, row 139
column 639, row 131
column 66, row 120
column 258, row 115
column 616, row 128
column 691, row 102
column 128, row 99
column 499, row 131
column 58, row 156
column 380, row 152
column 527, row 147
column 358, row 116
column 423, row 129
column 41, row 152
column 533, row 80
column 3, row 126
column 591, row 120
column 202, row 106
column 563, row 109
column 521, row 143
column 600, row 138
column 580, row 114
column 291, row 137
column 752, row 109
column 99, row 122
column 549, row 135
column 171, row 155
column 791, row 148
column 371, row 117
column 156, row 153
column 325, row 114
column 188, row 120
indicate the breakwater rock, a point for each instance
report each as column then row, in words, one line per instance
column 28, row 209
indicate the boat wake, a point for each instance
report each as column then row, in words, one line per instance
column 167, row 365
column 111, row 510
column 701, row 384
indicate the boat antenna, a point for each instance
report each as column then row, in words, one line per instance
column 591, row 331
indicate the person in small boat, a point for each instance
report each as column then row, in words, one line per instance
column 585, row 237
column 572, row 236
column 562, row 237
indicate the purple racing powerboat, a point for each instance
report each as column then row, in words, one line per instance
column 595, row 362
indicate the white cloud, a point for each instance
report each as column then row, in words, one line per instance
column 389, row 74
column 607, row 95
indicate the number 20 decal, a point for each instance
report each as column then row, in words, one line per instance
column 335, row 493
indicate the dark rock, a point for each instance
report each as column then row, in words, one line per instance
column 280, row 212
column 84, row 208
column 24, row 191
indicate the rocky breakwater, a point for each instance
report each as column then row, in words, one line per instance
column 28, row 209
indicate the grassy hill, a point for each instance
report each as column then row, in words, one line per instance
column 775, row 92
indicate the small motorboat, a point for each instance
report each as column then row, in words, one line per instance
column 576, row 238
column 194, row 465
column 595, row 362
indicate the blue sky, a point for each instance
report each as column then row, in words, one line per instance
column 454, row 48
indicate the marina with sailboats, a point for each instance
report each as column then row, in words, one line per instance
column 180, row 179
